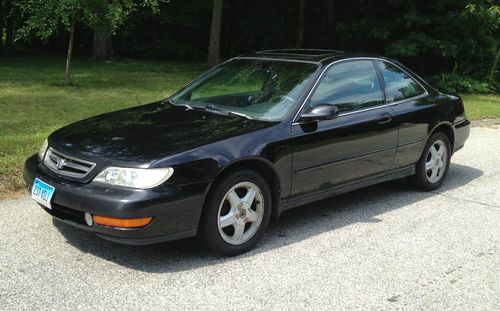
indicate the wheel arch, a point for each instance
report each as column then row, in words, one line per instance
column 447, row 129
column 262, row 166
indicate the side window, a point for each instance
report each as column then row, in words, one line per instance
column 349, row 85
column 398, row 84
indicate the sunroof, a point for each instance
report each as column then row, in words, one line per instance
column 305, row 52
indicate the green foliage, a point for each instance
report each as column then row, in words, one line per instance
column 180, row 32
column 43, row 18
column 457, row 38
column 112, row 14
column 454, row 84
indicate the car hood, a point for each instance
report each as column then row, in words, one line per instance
column 144, row 134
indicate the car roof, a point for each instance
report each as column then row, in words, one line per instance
column 320, row 56
column 324, row 58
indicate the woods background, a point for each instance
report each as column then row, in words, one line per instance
column 455, row 43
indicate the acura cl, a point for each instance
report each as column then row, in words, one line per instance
column 247, row 140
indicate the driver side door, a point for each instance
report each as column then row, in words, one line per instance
column 360, row 142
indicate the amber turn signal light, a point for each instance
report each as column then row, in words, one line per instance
column 121, row 222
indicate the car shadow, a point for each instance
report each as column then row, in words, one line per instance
column 293, row 226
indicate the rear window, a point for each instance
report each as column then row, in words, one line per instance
column 398, row 84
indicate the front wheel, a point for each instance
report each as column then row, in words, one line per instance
column 236, row 214
column 433, row 165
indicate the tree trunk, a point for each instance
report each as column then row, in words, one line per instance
column 102, row 47
column 330, row 20
column 9, row 27
column 300, row 29
column 494, row 67
column 70, row 51
column 214, row 46
column 154, row 28
column 1, row 25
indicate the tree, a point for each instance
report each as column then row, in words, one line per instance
column 44, row 18
column 9, row 25
column 301, row 24
column 1, row 24
column 104, row 17
column 214, row 46
column 102, row 47
column 491, row 13
column 455, row 40
column 330, row 22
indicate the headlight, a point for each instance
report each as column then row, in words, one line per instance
column 139, row 178
column 43, row 149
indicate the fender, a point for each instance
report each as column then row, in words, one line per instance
column 250, row 162
column 446, row 124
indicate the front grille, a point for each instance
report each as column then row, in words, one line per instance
column 66, row 165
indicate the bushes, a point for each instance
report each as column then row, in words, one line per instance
column 455, row 83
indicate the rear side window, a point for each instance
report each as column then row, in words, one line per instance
column 398, row 84
column 350, row 85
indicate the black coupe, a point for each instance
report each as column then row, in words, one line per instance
column 247, row 140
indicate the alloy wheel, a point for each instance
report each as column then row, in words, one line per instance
column 436, row 161
column 240, row 213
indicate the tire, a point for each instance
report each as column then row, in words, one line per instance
column 432, row 167
column 232, row 223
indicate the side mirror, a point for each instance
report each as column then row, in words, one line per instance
column 320, row 112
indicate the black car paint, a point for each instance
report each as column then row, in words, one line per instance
column 303, row 161
column 71, row 200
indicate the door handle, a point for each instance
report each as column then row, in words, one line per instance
column 384, row 118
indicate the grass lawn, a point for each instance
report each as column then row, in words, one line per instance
column 33, row 101
column 480, row 106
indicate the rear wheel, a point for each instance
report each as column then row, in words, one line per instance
column 236, row 214
column 433, row 165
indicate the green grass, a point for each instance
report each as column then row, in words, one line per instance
column 478, row 106
column 34, row 101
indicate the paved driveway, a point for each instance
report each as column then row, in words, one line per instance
column 385, row 247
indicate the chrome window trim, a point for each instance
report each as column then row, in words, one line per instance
column 374, row 107
column 278, row 59
column 279, row 51
column 385, row 104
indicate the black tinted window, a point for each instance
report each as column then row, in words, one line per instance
column 398, row 84
column 350, row 85
column 261, row 89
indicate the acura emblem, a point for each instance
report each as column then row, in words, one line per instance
column 60, row 164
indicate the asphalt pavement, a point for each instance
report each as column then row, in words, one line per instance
column 384, row 247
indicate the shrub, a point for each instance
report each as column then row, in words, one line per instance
column 454, row 83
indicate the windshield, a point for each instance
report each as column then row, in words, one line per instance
column 259, row 89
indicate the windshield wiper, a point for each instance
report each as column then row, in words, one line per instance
column 167, row 101
column 171, row 102
column 212, row 108
column 209, row 108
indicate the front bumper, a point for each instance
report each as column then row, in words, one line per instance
column 175, row 210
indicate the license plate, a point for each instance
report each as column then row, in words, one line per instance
column 42, row 193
